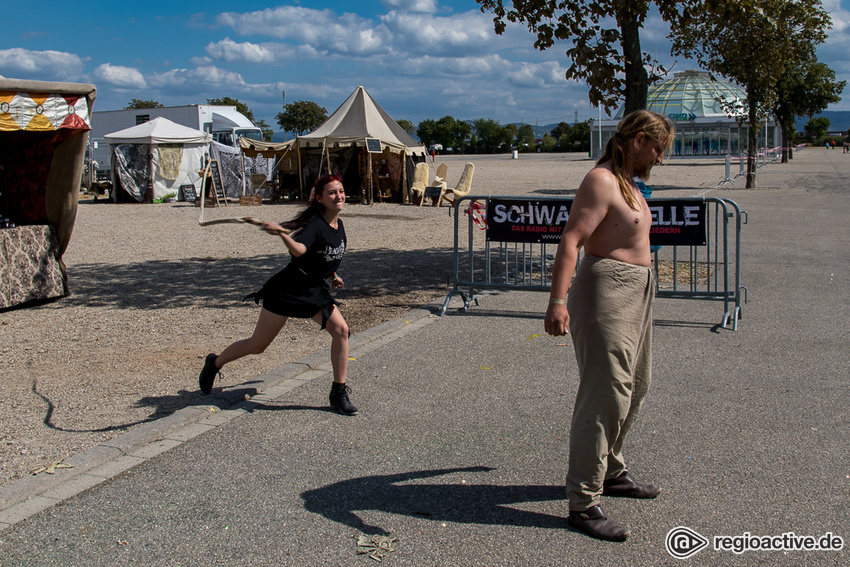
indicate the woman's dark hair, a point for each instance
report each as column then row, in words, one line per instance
column 314, row 208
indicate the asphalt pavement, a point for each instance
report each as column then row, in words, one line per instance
column 459, row 452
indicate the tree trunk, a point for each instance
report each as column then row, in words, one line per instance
column 751, row 147
column 785, row 149
column 636, row 76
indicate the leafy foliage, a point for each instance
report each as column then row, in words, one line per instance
column 241, row 107
column 407, row 126
column 806, row 87
column 136, row 104
column 448, row 131
column 605, row 38
column 751, row 42
column 301, row 116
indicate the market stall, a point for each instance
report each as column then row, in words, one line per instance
column 43, row 134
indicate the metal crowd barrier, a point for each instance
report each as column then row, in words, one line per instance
column 511, row 244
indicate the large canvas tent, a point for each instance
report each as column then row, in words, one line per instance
column 44, row 129
column 152, row 159
column 340, row 146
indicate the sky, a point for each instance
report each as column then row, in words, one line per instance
column 419, row 59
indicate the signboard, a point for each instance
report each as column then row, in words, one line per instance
column 675, row 222
column 517, row 220
column 373, row 145
column 218, row 184
column 189, row 194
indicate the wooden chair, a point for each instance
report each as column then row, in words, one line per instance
column 464, row 185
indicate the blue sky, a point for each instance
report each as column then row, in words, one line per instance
column 419, row 58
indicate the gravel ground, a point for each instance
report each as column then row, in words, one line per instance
column 152, row 293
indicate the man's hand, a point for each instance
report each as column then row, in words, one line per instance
column 557, row 321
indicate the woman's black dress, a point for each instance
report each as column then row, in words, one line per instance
column 302, row 289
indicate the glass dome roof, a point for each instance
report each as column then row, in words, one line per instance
column 691, row 94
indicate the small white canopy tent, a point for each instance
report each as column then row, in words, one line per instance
column 153, row 159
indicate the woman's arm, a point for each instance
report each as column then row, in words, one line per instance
column 295, row 247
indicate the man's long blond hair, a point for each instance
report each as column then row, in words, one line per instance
column 655, row 126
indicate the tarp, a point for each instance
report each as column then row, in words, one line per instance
column 44, row 129
column 160, row 154
column 234, row 167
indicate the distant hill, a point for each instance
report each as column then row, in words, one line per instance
column 839, row 120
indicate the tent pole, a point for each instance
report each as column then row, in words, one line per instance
column 242, row 154
column 300, row 173
column 405, row 193
column 151, row 179
column 328, row 160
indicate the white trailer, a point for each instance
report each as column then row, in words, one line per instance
column 225, row 123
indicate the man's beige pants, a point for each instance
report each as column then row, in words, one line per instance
column 610, row 307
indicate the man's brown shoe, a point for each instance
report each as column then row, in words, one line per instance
column 627, row 486
column 595, row 523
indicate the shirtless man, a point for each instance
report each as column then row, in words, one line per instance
column 609, row 315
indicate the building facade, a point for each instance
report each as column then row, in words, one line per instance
column 706, row 112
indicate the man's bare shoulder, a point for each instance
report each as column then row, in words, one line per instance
column 600, row 183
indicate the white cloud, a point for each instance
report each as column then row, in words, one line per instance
column 44, row 64
column 424, row 6
column 536, row 75
column 120, row 76
column 229, row 50
column 325, row 31
column 461, row 35
column 205, row 75
column 840, row 16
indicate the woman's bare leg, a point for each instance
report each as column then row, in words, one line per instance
column 268, row 327
column 338, row 329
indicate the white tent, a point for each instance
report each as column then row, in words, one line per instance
column 339, row 145
column 360, row 117
column 153, row 159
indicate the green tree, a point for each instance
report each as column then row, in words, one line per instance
column 407, row 126
column 605, row 42
column 806, row 87
column 578, row 138
column 819, row 125
column 137, row 104
column 301, row 116
column 241, row 107
column 492, row 137
column 264, row 127
column 561, row 129
column 427, row 132
column 548, row 143
column 525, row 138
column 750, row 42
column 447, row 131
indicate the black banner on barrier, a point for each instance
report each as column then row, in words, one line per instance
column 675, row 222
column 515, row 220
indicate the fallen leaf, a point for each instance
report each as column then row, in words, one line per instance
column 376, row 546
column 51, row 468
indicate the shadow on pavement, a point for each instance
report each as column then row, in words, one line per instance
column 460, row 503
